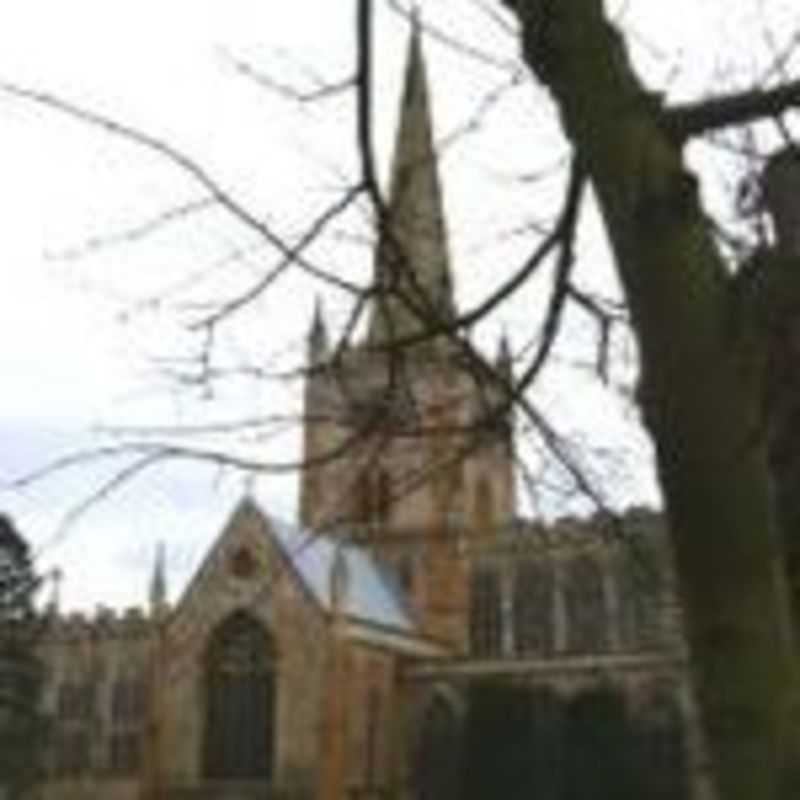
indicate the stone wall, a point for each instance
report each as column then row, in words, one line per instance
column 91, row 655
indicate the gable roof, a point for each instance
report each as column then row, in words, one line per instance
column 373, row 594
column 373, row 597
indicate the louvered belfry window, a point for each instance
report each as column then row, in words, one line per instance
column 240, row 701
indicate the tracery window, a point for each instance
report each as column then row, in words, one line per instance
column 638, row 586
column 72, row 752
column 75, row 701
column 486, row 613
column 533, row 608
column 75, row 706
column 125, row 752
column 663, row 748
column 240, row 700
column 600, row 746
column 127, row 701
column 584, row 601
column 438, row 752
column 127, row 715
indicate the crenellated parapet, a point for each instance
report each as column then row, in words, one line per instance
column 598, row 532
column 576, row 586
column 104, row 623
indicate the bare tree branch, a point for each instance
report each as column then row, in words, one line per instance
column 693, row 119
column 188, row 165
column 178, row 213
column 321, row 91
column 314, row 231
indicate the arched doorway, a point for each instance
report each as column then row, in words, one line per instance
column 600, row 746
column 512, row 742
column 240, row 701
column 662, row 746
column 438, row 752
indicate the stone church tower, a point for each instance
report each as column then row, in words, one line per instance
column 408, row 443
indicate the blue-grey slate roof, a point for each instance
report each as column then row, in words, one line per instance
column 373, row 593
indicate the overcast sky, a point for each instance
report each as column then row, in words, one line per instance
column 82, row 342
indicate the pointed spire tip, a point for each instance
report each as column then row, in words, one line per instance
column 415, row 203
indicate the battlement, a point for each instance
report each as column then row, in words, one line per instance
column 105, row 622
column 523, row 535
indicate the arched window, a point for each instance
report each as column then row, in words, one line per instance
column 76, row 709
column 584, row 600
column 663, row 748
column 533, row 609
column 512, row 742
column 438, row 752
column 240, row 700
column 600, row 745
column 639, row 587
column 128, row 700
column 486, row 613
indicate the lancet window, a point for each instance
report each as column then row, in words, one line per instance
column 75, row 709
column 584, row 601
column 127, row 718
column 638, row 587
column 533, row 608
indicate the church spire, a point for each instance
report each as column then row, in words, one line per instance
column 412, row 265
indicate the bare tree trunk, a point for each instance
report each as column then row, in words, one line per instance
column 702, row 388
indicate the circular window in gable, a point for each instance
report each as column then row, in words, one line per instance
column 243, row 564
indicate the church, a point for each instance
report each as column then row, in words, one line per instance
column 412, row 629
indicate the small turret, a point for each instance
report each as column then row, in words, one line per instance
column 318, row 348
column 54, row 603
column 503, row 394
column 158, row 583
column 503, row 362
column 314, row 410
column 339, row 582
